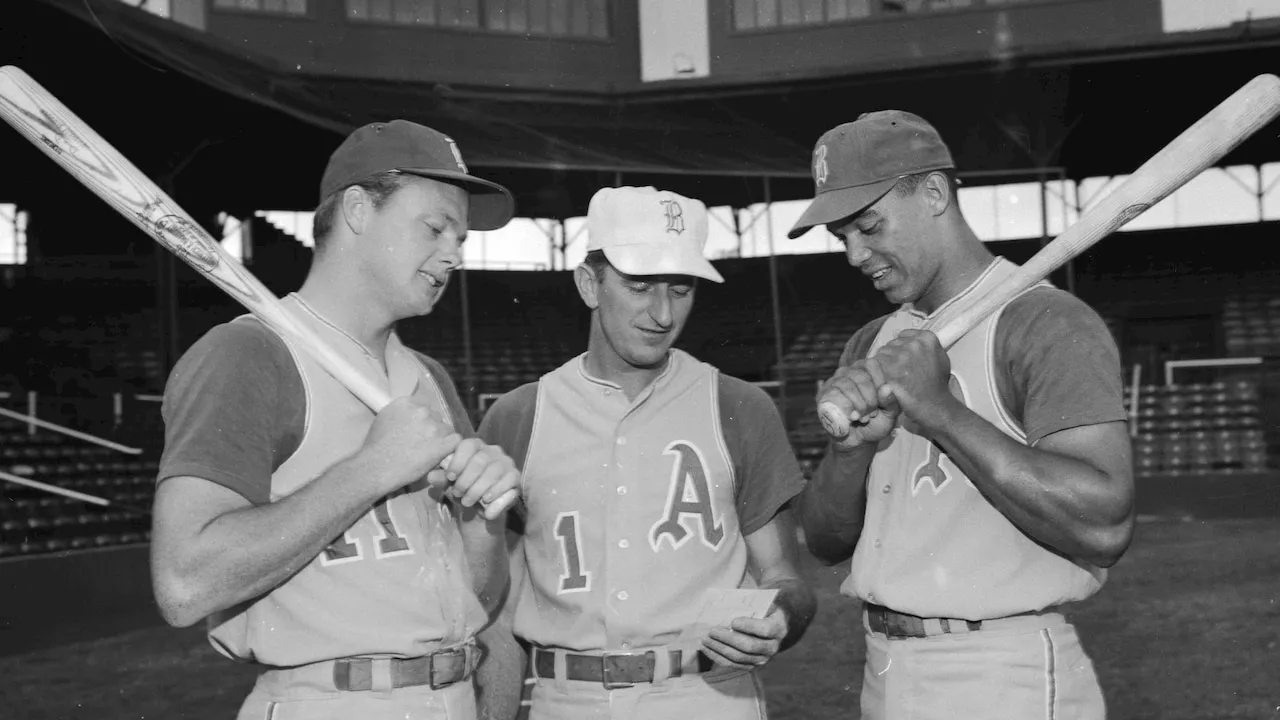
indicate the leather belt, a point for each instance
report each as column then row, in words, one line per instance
column 617, row 669
column 439, row 669
column 901, row 625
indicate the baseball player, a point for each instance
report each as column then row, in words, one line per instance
column 649, row 478
column 992, row 484
column 320, row 541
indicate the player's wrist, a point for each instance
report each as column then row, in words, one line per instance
column 937, row 414
column 369, row 475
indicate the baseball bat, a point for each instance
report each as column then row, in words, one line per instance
column 71, row 143
column 1206, row 142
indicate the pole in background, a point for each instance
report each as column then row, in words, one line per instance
column 779, row 367
column 468, row 366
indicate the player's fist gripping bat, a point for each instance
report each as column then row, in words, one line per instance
column 71, row 143
column 1242, row 114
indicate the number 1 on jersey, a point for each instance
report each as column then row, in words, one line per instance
column 573, row 579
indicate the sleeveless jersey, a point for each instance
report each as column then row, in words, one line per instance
column 631, row 509
column 395, row 584
column 931, row 544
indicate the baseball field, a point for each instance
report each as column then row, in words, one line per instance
column 1187, row 627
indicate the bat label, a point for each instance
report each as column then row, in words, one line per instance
column 62, row 140
column 1131, row 212
column 188, row 241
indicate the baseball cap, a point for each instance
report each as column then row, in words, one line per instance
column 856, row 163
column 646, row 231
column 416, row 149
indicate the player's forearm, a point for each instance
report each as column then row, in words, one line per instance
column 833, row 505
column 247, row 552
column 484, row 543
column 1064, row 503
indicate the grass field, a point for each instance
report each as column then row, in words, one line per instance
column 1187, row 627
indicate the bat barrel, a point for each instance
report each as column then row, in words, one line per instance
column 1195, row 150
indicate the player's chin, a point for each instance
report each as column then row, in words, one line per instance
column 900, row 293
column 650, row 354
column 424, row 303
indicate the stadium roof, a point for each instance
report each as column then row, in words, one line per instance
column 231, row 131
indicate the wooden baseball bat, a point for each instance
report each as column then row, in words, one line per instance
column 1206, row 142
column 71, row 143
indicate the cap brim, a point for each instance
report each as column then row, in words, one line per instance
column 492, row 205
column 670, row 259
column 834, row 205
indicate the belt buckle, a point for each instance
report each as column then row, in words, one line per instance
column 431, row 668
column 607, row 668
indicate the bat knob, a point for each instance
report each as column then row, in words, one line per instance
column 834, row 420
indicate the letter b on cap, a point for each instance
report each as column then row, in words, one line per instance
column 675, row 216
column 820, row 164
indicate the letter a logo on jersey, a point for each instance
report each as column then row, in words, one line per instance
column 689, row 498
column 931, row 471
column 675, row 216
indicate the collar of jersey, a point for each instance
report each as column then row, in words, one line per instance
column 672, row 357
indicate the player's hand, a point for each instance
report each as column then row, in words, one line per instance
column 855, row 389
column 406, row 441
column 479, row 472
column 747, row 642
column 916, row 372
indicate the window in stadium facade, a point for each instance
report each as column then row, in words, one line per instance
column 554, row 18
column 13, row 235
column 272, row 7
column 767, row 14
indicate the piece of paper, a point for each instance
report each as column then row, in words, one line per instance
column 720, row 606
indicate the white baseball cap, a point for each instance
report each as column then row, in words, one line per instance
column 646, row 231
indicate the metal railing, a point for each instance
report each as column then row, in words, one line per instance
column 33, row 423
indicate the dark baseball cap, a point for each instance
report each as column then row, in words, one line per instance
column 857, row 163
column 416, row 149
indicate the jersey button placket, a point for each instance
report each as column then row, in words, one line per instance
column 617, row 566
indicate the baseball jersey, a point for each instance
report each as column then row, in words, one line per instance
column 635, row 507
column 932, row 545
column 393, row 584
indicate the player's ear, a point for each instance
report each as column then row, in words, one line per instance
column 355, row 206
column 588, row 285
column 937, row 193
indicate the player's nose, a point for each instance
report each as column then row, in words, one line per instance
column 450, row 253
column 660, row 310
column 855, row 251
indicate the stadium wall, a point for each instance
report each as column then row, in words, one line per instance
column 900, row 42
column 56, row 599
column 325, row 42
